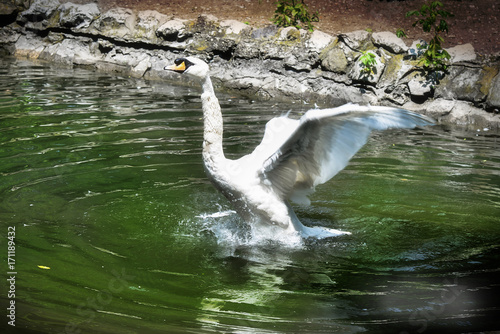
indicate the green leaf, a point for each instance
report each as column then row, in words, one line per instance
column 412, row 13
column 401, row 33
column 443, row 26
column 294, row 13
column 427, row 26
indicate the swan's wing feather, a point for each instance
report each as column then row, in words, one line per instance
column 277, row 131
column 324, row 142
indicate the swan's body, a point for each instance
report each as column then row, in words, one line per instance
column 293, row 158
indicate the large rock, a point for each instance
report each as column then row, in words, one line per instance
column 8, row 36
column 205, row 45
column 29, row 46
column 37, row 16
column 460, row 53
column 71, row 51
column 356, row 40
column 265, row 32
column 463, row 83
column 77, row 16
column 420, row 85
column 494, row 93
column 142, row 66
column 116, row 23
column 457, row 112
column 396, row 71
column 389, row 41
column 8, row 12
column 318, row 41
column 289, row 34
column 300, row 62
column 334, row 60
column 368, row 74
column 148, row 22
column 278, row 50
column 439, row 108
column 465, row 114
column 247, row 50
column 417, row 49
column 233, row 27
column 174, row 30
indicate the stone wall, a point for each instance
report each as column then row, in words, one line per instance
column 267, row 62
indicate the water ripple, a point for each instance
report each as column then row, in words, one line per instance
column 102, row 175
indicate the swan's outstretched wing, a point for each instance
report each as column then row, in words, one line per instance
column 322, row 143
column 277, row 132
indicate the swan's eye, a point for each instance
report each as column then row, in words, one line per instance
column 187, row 63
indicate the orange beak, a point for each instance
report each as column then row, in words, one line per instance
column 177, row 68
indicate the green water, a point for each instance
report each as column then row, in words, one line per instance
column 101, row 177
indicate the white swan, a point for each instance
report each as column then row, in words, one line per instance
column 293, row 158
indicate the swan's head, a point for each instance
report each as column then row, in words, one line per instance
column 190, row 65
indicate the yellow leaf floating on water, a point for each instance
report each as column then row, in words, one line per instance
column 43, row 267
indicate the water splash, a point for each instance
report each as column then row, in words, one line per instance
column 230, row 231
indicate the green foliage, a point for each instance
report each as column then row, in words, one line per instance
column 433, row 20
column 430, row 13
column 368, row 60
column 294, row 13
column 434, row 57
column 401, row 33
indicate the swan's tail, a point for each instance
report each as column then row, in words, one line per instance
column 319, row 232
column 316, row 232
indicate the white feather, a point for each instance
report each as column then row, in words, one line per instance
column 293, row 158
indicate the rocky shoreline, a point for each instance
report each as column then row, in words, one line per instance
column 272, row 63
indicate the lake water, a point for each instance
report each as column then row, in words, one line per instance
column 117, row 229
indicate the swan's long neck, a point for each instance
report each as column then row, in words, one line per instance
column 213, row 126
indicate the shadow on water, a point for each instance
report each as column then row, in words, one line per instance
column 102, row 179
